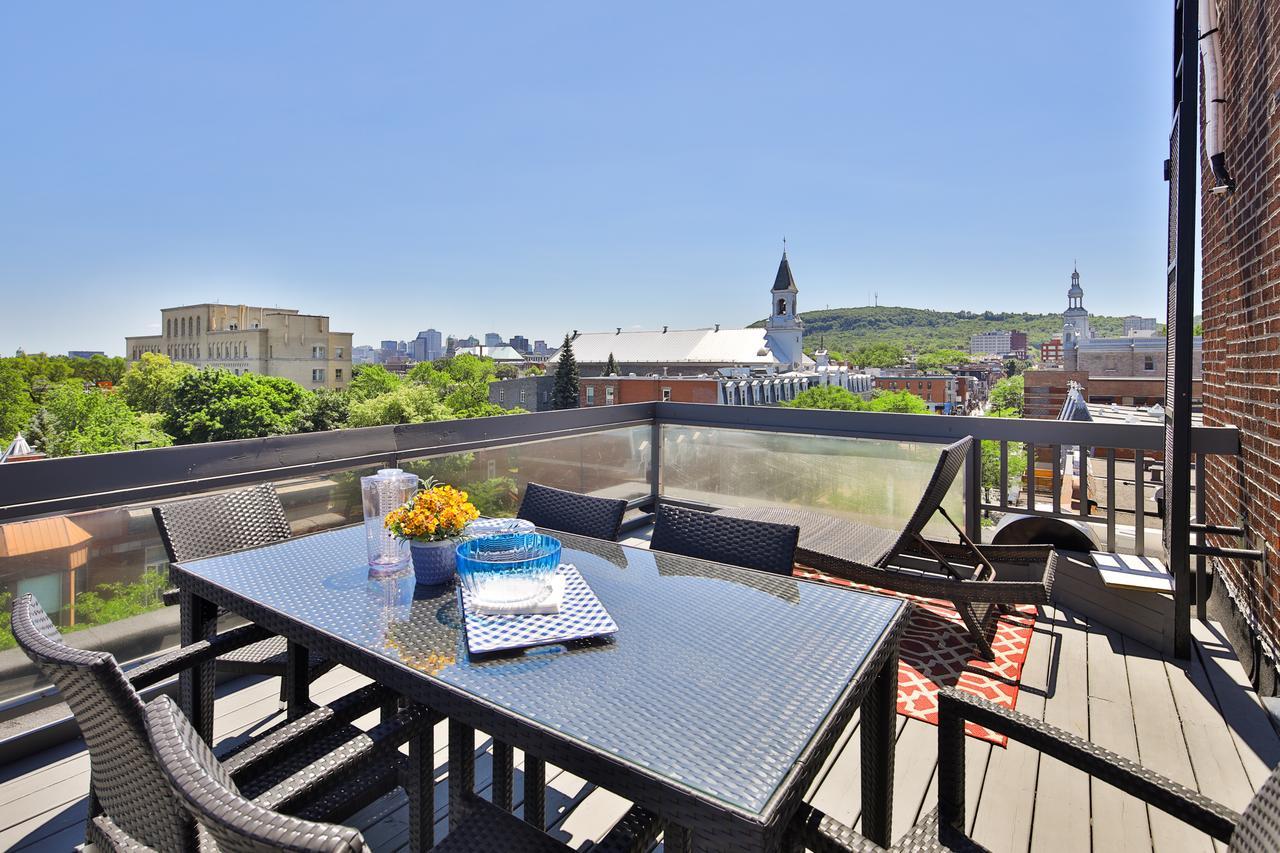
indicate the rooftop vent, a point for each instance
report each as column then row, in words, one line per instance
column 717, row 327
column 619, row 331
column 664, row 330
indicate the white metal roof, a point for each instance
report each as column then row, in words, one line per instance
column 700, row 346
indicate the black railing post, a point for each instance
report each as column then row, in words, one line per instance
column 973, row 492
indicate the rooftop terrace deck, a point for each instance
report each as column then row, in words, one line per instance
column 1197, row 722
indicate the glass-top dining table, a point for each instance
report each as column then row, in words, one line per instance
column 713, row 706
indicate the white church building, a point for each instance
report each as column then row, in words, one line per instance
column 774, row 351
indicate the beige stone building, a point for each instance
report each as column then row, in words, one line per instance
column 245, row 339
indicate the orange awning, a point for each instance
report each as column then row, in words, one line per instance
column 24, row 538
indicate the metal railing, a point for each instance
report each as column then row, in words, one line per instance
column 133, row 480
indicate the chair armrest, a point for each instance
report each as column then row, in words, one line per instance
column 170, row 597
column 109, row 837
column 955, row 708
column 380, row 744
column 249, row 758
column 185, row 657
column 813, row 830
column 636, row 832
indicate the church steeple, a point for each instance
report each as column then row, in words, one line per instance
column 784, row 280
column 785, row 329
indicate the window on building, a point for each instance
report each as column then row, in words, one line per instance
column 340, row 351
column 782, row 307
column 666, row 394
column 234, row 327
column 591, row 395
column 522, row 393
column 317, row 375
column 608, row 396
column 317, row 352
column 1148, row 362
column 337, row 374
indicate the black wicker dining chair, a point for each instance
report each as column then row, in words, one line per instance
column 1257, row 830
column 215, row 524
column 571, row 512
column 237, row 823
column 759, row 545
column 319, row 766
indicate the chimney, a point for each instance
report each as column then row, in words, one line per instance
column 664, row 330
column 619, row 331
column 717, row 327
column 575, row 335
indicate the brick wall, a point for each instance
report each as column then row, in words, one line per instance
column 1241, row 307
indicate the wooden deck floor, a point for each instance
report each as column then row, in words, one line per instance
column 1195, row 721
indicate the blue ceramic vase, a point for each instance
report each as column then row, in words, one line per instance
column 433, row 562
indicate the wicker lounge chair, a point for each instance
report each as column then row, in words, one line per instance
column 1257, row 830
column 235, row 822
column 204, row 526
column 556, row 509
column 904, row 561
column 738, row 541
column 319, row 766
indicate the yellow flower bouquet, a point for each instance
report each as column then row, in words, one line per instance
column 432, row 521
column 436, row 512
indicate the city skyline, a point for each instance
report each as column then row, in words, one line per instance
column 519, row 169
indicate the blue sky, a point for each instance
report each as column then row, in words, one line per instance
column 535, row 168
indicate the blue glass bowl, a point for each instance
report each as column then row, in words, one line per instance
column 511, row 569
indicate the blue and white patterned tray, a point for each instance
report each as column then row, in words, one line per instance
column 581, row 616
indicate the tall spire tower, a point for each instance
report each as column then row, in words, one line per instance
column 784, row 328
column 1075, row 321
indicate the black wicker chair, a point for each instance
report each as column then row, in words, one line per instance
column 724, row 539
column 215, row 524
column 556, row 509
column 1255, row 831
column 237, row 823
column 319, row 766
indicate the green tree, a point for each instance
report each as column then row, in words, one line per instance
column 1014, row 366
column 99, row 368
column 74, row 420
column 902, row 402
column 149, row 384
column 1006, row 397
column 827, row 397
column 535, row 370
column 565, row 393
column 496, row 497
column 370, row 380
column 938, row 359
column 880, row 354
column 611, row 367
column 16, row 405
column 217, row 405
column 323, row 410
column 507, row 371
column 409, row 403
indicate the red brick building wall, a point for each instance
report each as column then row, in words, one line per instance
column 1241, row 292
column 644, row 389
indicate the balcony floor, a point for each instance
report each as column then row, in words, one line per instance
column 1197, row 722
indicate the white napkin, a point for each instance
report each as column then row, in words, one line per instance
column 550, row 603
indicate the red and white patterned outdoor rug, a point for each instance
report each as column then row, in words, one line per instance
column 936, row 652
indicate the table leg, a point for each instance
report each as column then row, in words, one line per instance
column 462, row 769
column 535, row 791
column 420, row 786
column 879, row 709
column 199, row 619
column 677, row 839
column 503, row 770
column 297, row 680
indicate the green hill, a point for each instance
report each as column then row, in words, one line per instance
column 920, row 330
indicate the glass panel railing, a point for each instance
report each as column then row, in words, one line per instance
column 871, row 481
column 107, row 567
column 611, row 463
